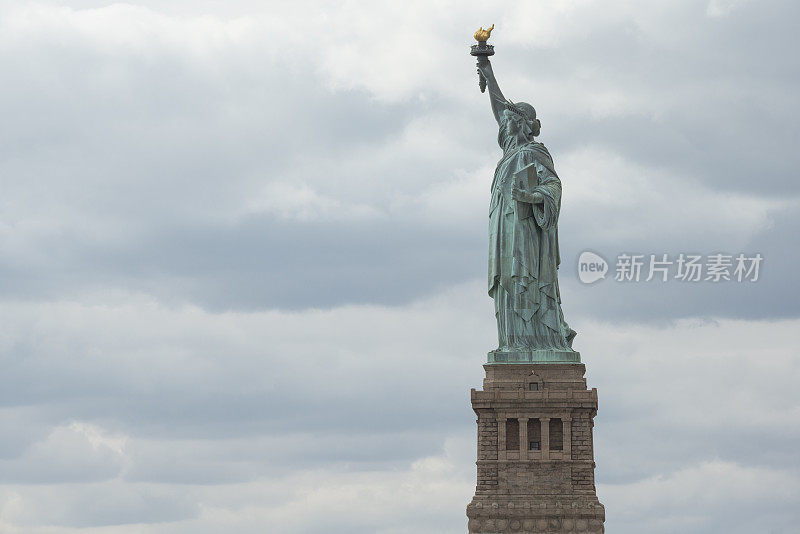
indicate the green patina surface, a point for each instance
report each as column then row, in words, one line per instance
column 523, row 238
column 534, row 356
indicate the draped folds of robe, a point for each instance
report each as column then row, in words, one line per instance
column 523, row 250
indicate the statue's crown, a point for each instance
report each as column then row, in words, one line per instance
column 523, row 109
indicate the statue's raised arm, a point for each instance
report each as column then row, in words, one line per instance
column 496, row 97
column 482, row 51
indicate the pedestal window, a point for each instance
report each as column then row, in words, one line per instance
column 534, row 435
column 512, row 434
column 556, row 434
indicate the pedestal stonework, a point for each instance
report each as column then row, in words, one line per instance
column 535, row 451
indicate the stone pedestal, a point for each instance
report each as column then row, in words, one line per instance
column 535, row 451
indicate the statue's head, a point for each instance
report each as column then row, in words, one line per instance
column 525, row 115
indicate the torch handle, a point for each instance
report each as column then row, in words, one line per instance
column 482, row 51
column 481, row 80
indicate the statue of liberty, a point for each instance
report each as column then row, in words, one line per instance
column 523, row 230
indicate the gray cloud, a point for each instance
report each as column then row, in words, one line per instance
column 153, row 168
column 201, row 405
column 242, row 259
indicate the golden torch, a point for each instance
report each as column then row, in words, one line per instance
column 482, row 50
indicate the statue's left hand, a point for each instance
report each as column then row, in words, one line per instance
column 523, row 196
column 520, row 195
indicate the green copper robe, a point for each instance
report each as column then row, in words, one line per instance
column 523, row 250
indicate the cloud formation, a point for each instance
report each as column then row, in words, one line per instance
column 242, row 259
column 201, row 152
column 187, row 420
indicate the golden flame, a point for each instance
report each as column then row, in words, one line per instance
column 482, row 35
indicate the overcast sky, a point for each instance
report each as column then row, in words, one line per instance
column 243, row 259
